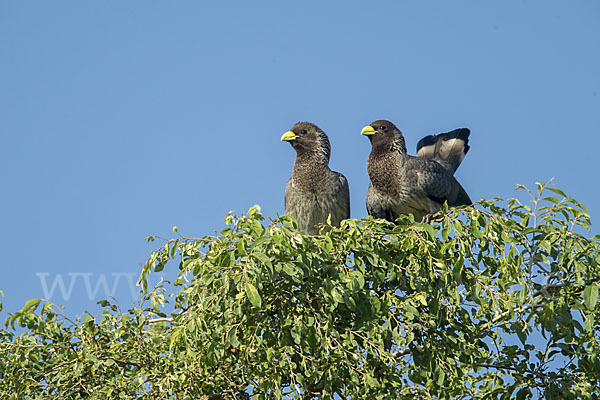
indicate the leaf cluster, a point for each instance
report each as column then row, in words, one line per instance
column 498, row 301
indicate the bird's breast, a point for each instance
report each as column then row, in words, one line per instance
column 385, row 177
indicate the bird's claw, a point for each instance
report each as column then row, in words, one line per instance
column 435, row 217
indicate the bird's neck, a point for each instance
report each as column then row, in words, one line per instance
column 315, row 159
column 398, row 145
column 309, row 169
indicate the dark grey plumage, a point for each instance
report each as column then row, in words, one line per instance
column 314, row 192
column 404, row 184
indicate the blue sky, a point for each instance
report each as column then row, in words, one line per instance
column 123, row 119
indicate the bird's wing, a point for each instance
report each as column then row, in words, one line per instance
column 336, row 200
column 289, row 198
column 380, row 205
column 435, row 181
column 343, row 196
column 301, row 208
column 461, row 198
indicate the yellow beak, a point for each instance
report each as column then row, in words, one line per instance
column 367, row 130
column 289, row 135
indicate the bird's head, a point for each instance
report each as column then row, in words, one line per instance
column 307, row 138
column 384, row 135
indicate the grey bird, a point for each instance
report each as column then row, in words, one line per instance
column 314, row 193
column 404, row 184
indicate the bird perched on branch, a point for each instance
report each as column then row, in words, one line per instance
column 404, row 184
column 314, row 193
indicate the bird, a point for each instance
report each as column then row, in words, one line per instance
column 314, row 193
column 402, row 184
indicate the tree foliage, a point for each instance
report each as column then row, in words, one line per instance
column 496, row 301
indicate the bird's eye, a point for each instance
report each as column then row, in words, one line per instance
column 383, row 127
column 303, row 131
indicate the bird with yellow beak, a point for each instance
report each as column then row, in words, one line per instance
column 404, row 184
column 314, row 194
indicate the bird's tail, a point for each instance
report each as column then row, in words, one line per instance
column 449, row 148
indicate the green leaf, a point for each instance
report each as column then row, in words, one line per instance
column 360, row 279
column 458, row 267
column 410, row 311
column 426, row 227
column 421, row 299
column 557, row 191
column 440, row 375
column 31, row 305
column 232, row 337
column 446, row 227
column 177, row 336
column 375, row 305
column 475, row 228
column 337, row 296
column 253, row 295
column 589, row 323
column 159, row 267
column 590, row 296
column 264, row 259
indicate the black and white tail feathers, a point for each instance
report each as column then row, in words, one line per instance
column 449, row 149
